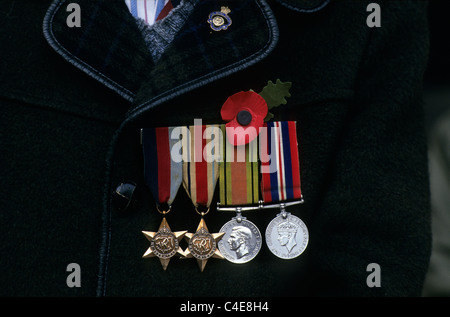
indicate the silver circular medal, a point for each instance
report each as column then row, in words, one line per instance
column 287, row 236
column 241, row 241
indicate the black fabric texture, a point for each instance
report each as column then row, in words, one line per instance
column 304, row 5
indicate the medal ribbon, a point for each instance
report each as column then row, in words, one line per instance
column 163, row 175
column 239, row 176
column 201, row 169
column 284, row 183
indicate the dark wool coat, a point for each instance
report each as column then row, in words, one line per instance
column 73, row 101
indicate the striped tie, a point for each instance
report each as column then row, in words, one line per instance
column 149, row 10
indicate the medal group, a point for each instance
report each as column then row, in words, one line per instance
column 256, row 164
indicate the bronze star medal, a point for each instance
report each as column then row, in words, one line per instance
column 164, row 244
column 163, row 177
column 203, row 245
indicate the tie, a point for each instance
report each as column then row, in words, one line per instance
column 149, row 10
column 165, row 11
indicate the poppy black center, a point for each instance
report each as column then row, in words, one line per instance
column 244, row 117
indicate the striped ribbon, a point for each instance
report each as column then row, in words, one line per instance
column 283, row 183
column 149, row 10
column 201, row 169
column 162, row 174
column 239, row 176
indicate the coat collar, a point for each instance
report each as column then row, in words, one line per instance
column 109, row 47
column 305, row 5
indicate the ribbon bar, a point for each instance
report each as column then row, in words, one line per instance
column 162, row 174
column 261, row 205
column 239, row 176
column 284, row 182
column 201, row 169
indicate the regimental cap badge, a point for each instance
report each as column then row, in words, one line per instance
column 219, row 20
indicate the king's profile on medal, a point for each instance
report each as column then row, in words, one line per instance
column 239, row 239
column 286, row 235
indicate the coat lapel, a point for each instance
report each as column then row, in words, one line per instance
column 199, row 55
column 305, row 6
column 109, row 47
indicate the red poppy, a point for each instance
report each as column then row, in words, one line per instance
column 245, row 112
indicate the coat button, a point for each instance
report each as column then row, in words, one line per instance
column 124, row 196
